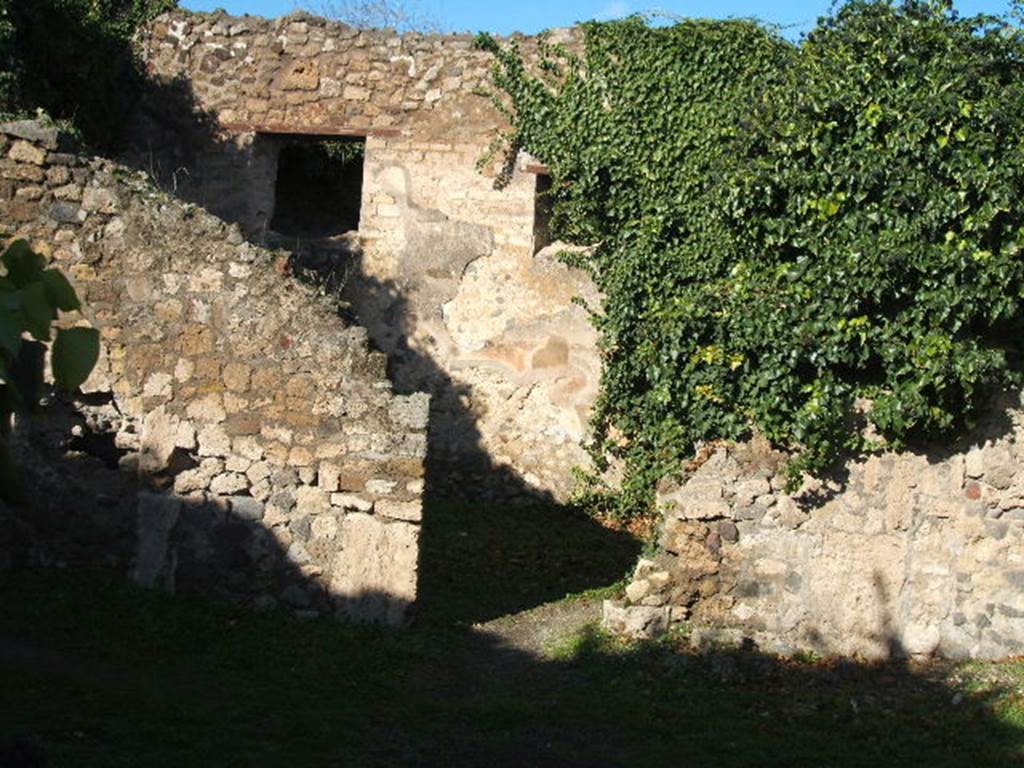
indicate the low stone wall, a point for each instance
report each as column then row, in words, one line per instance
column 910, row 555
column 273, row 462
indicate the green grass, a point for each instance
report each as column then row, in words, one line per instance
column 482, row 561
column 97, row 673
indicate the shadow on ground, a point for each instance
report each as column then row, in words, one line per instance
column 97, row 673
column 491, row 544
column 480, row 561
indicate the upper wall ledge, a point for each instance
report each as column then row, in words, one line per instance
column 180, row 23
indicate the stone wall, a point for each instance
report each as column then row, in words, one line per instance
column 446, row 278
column 905, row 554
column 269, row 458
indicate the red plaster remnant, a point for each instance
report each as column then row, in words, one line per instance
column 973, row 491
column 286, row 343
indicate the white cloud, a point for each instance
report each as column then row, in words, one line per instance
column 614, row 10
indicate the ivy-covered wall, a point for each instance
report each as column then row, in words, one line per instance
column 816, row 242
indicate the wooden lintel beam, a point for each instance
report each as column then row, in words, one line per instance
column 279, row 129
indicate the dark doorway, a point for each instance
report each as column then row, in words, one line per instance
column 543, row 204
column 319, row 186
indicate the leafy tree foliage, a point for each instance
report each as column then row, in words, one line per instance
column 31, row 297
column 790, row 239
column 73, row 59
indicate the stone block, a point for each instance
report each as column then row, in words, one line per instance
column 67, row 213
column 373, row 577
column 24, row 152
column 637, row 622
column 380, row 486
column 229, row 483
column 162, row 435
column 974, row 463
column 699, row 509
column 99, row 200
column 236, row 377
column 411, row 511
column 638, row 590
column 199, row 478
column 243, row 424
column 209, row 408
column 156, row 517
column 214, row 441
column 258, row 472
column 246, row 508
column 328, row 474
column 312, row 501
column 34, row 131
column 351, row 501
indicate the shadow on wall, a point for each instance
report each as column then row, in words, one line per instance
column 491, row 544
column 477, row 560
column 318, row 693
column 185, row 151
column 487, row 536
column 886, row 636
column 530, row 554
column 94, row 509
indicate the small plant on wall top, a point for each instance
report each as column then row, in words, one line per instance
column 791, row 239
column 31, row 298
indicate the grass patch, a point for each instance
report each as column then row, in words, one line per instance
column 97, row 673
column 482, row 561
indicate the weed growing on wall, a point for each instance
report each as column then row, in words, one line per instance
column 790, row 239
column 31, row 298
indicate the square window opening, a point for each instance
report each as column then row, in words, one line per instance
column 319, row 186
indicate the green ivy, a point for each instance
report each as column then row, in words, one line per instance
column 792, row 239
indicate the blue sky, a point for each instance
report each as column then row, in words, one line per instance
column 530, row 16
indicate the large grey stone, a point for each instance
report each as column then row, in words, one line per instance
column 246, row 508
column 157, row 516
column 639, row 622
column 35, row 131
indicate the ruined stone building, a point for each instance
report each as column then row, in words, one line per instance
column 239, row 434
column 245, row 435
column 450, row 276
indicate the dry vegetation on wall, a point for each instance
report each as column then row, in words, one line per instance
column 792, row 239
column 400, row 15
